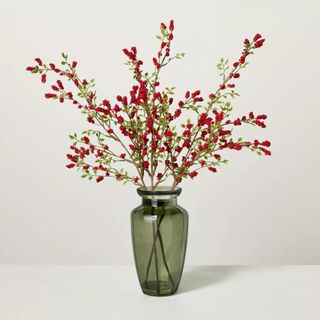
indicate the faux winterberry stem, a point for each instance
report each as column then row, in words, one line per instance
column 196, row 130
column 153, row 247
column 114, row 171
column 116, row 137
column 157, row 235
column 153, row 167
column 163, row 254
column 156, row 255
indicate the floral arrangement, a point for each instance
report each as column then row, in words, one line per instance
column 146, row 123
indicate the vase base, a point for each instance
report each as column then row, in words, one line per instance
column 158, row 288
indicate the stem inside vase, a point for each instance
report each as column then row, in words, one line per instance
column 154, row 252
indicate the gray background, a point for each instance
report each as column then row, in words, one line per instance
column 254, row 211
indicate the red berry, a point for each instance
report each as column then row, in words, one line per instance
column 256, row 37
column 259, row 43
column 39, row 61
column 99, row 179
column 193, row 174
column 86, row 140
column 171, row 25
column 266, row 143
column 59, row 83
column 31, row 68
column 145, row 164
column 135, row 179
column 196, row 93
column 159, row 176
column 177, row 113
column 50, row 95
column 120, row 119
column 168, row 134
column 242, row 59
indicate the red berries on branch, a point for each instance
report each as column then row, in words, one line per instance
column 142, row 128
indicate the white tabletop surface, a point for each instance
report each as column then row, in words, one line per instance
column 206, row 292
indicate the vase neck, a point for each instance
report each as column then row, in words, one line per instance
column 159, row 201
column 159, row 197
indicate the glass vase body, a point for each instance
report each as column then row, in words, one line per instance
column 159, row 229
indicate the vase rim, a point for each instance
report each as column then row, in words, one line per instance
column 159, row 191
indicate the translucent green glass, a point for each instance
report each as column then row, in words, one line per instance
column 159, row 228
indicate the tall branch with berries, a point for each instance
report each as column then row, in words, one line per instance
column 145, row 123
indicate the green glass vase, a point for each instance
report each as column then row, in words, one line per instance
column 159, row 228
